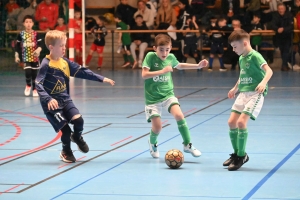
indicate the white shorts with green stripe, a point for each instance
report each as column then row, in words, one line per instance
column 155, row 110
column 249, row 103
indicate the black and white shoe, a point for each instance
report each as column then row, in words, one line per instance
column 82, row 145
column 67, row 156
column 230, row 160
column 238, row 162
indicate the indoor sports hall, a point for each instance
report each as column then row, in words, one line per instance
column 118, row 165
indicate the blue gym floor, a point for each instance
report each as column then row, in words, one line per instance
column 119, row 165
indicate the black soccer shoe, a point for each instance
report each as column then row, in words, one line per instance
column 230, row 160
column 82, row 145
column 67, row 156
column 238, row 162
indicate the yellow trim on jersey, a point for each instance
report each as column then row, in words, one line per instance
column 60, row 64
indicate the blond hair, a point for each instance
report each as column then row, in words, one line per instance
column 162, row 40
column 53, row 36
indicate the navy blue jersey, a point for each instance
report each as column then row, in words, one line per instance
column 52, row 81
column 99, row 37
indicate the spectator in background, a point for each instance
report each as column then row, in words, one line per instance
column 146, row 14
column 166, row 16
column 282, row 24
column 152, row 6
column 11, row 6
column 78, row 36
column 184, row 13
column 198, row 8
column 3, row 17
column 190, row 40
column 126, row 12
column 61, row 26
column 252, row 7
column 24, row 3
column 230, row 8
column 99, row 31
column 124, row 42
column 218, row 40
column 230, row 57
column 27, row 11
column 47, row 15
column 140, row 40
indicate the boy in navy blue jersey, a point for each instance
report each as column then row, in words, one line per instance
column 52, row 84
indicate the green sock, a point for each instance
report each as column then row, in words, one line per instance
column 233, row 134
column 153, row 137
column 241, row 141
column 130, row 58
column 184, row 131
column 125, row 57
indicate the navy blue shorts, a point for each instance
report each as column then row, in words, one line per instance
column 60, row 117
column 217, row 48
column 190, row 49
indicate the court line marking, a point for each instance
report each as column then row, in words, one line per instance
column 16, row 126
column 12, row 188
column 153, row 195
column 109, row 169
column 121, row 141
column 178, row 98
column 110, row 151
column 40, row 149
column 79, row 164
column 70, row 163
column 106, row 151
column 271, row 173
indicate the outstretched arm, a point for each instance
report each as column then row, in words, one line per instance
column 201, row 64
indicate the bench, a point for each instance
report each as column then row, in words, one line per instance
column 225, row 48
column 95, row 9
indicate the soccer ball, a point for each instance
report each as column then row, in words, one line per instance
column 174, row 158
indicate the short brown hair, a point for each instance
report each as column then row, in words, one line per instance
column 162, row 39
column 238, row 35
column 52, row 37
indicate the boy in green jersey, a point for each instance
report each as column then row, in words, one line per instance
column 124, row 41
column 253, row 86
column 159, row 93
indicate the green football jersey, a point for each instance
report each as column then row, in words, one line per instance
column 159, row 88
column 251, row 73
column 126, row 40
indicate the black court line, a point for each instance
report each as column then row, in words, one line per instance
column 83, row 162
column 50, row 146
column 206, row 107
column 178, row 98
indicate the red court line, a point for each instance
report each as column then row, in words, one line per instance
column 70, row 163
column 128, row 150
column 11, row 188
column 164, row 122
column 37, row 148
column 189, row 111
column 18, row 131
column 216, row 99
column 121, row 141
